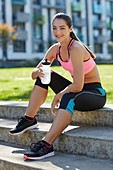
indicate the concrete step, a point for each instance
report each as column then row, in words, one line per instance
column 89, row 141
column 101, row 117
column 11, row 158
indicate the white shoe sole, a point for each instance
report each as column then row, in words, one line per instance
column 29, row 128
column 41, row 157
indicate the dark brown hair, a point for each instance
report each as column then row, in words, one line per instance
column 68, row 21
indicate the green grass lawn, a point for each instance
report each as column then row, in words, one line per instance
column 16, row 83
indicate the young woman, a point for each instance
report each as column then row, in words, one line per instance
column 85, row 93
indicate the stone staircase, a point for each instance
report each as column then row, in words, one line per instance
column 89, row 138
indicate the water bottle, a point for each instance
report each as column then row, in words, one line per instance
column 47, row 72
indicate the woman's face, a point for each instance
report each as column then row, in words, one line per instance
column 60, row 30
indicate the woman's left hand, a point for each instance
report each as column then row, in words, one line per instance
column 55, row 102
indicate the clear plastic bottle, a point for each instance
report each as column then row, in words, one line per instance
column 47, row 72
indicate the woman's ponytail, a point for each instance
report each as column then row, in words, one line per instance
column 73, row 36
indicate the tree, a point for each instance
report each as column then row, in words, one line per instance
column 38, row 19
column 7, row 35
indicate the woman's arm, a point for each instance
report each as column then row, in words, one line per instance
column 50, row 55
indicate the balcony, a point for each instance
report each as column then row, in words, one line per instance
column 99, row 24
column 101, row 39
column 19, row 2
column 98, row 9
column 21, row 35
column 21, row 17
column 109, row 13
column 49, row 6
column 79, row 22
column 77, row 6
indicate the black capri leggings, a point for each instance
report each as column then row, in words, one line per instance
column 92, row 96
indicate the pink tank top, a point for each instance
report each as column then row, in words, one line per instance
column 88, row 64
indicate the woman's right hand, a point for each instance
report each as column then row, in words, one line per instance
column 38, row 72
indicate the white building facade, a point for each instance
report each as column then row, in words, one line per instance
column 92, row 22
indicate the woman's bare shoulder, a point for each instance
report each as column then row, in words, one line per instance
column 77, row 49
column 78, row 45
column 54, row 47
column 52, row 51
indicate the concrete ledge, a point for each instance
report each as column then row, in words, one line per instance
column 101, row 117
column 13, row 160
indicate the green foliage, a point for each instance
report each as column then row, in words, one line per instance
column 39, row 19
column 7, row 34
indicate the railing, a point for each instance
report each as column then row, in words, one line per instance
column 109, row 13
column 101, row 38
column 99, row 24
column 18, row 2
column 79, row 22
column 21, row 17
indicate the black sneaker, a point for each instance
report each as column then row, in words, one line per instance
column 23, row 125
column 39, row 151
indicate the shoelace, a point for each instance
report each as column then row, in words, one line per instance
column 36, row 146
column 20, row 121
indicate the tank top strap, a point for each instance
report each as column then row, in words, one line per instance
column 58, row 51
column 70, row 44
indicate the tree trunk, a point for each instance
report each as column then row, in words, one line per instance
column 4, row 59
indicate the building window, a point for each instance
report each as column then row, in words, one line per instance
column 109, row 8
column 38, row 21
column 60, row 3
column 97, row 48
column 19, row 46
column 60, row 10
column 97, row 2
column 96, row 32
column 39, row 46
column 17, row 8
column 37, row 2
column 20, row 26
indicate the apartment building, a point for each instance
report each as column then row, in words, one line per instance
column 92, row 22
column 100, row 26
